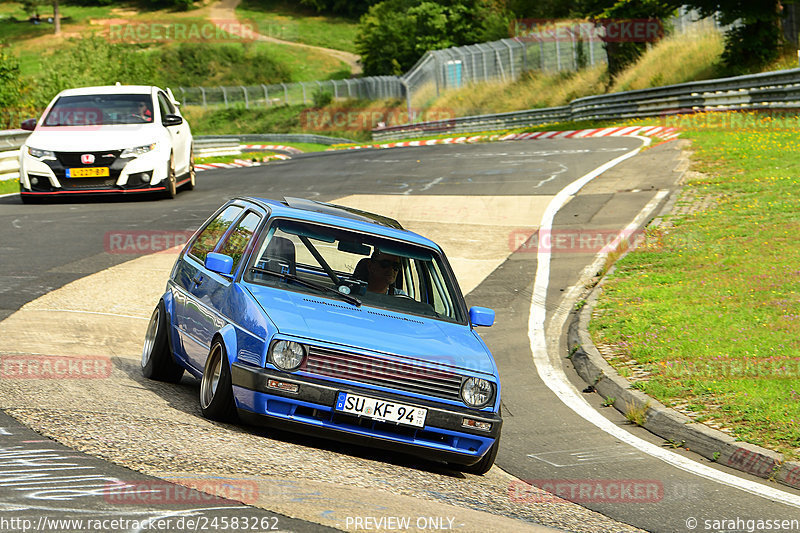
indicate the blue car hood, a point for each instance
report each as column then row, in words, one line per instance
column 335, row 321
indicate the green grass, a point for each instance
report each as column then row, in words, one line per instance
column 239, row 120
column 305, row 64
column 14, row 23
column 289, row 21
column 8, row 186
column 30, row 43
column 257, row 156
column 711, row 306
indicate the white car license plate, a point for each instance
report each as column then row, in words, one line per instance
column 89, row 172
column 382, row 410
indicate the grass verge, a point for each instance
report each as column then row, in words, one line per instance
column 290, row 21
column 710, row 306
column 252, row 156
column 9, row 186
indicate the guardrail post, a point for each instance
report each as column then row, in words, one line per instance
column 510, row 58
column 285, row 93
column 524, row 56
column 246, row 100
column 183, row 95
column 303, row 86
column 404, row 83
column 574, row 52
column 205, row 103
column 349, row 91
column 224, row 95
column 500, row 64
column 266, row 95
column 558, row 55
column 541, row 55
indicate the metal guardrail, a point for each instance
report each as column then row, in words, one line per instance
column 10, row 141
column 9, row 165
column 769, row 90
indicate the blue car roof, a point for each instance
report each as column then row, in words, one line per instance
column 342, row 217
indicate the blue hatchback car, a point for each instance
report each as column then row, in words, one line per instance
column 329, row 321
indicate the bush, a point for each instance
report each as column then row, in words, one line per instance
column 95, row 61
column 203, row 64
column 92, row 61
column 322, row 98
column 394, row 34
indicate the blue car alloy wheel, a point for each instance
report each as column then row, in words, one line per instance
column 332, row 322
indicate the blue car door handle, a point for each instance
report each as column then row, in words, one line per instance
column 198, row 280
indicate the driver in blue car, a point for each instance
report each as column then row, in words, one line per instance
column 382, row 272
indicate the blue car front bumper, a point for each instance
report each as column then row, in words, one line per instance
column 311, row 411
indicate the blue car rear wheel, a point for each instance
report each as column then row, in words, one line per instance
column 157, row 360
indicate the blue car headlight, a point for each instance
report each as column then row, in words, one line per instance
column 476, row 392
column 287, row 355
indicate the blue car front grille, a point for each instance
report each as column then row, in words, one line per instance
column 419, row 378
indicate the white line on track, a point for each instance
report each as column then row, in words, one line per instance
column 556, row 380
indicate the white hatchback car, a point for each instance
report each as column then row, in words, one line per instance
column 112, row 139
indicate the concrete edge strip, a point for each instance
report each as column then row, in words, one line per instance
column 553, row 376
column 629, row 131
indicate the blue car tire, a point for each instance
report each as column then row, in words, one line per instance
column 216, row 391
column 486, row 462
column 157, row 360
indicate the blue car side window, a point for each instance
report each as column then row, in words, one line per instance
column 236, row 242
column 213, row 232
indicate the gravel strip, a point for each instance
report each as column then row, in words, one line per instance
column 157, row 429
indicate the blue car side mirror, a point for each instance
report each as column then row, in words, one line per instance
column 481, row 316
column 219, row 263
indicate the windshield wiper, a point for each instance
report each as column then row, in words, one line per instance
column 346, row 297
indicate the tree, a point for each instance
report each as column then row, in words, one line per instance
column 56, row 18
column 394, row 34
column 9, row 80
column 622, row 53
column 344, row 8
column 755, row 37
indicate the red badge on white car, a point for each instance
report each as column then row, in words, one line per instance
column 87, row 159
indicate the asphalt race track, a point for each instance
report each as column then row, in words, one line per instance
column 481, row 202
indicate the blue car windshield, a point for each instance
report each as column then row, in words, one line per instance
column 378, row 272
